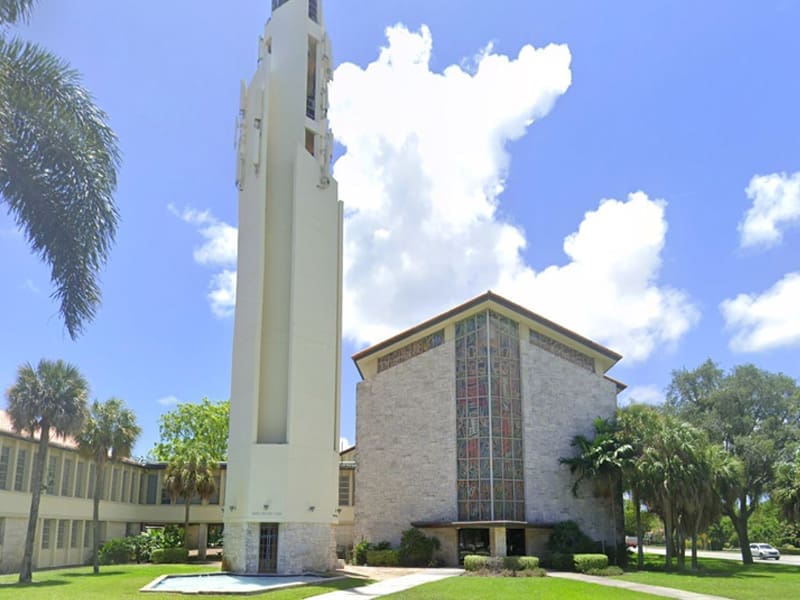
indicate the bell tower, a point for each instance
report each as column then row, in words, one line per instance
column 282, row 472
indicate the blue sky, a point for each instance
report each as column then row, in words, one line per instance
column 491, row 157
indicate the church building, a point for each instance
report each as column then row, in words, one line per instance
column 460, row 425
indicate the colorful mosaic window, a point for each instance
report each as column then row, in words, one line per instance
column 561, row 350
column 489, row 419
column 411, row 350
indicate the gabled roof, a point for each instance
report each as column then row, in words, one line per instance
column 489, row 297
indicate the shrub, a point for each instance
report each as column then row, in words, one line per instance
column 562, row 562
column 384, row 545
column 142, row 546
column 383, row 558
column 585, row 562
column 170, row 555
column 360, row 552
column 115, row 552
column 567, row 538
column 535, row 572
column 607, row 572
column 416, row 549
column 473, row 562
column 528, row 563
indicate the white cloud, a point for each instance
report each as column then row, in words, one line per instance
column 767, row 320
column 642, row 394
column 421, row 180
column 218, row 250
column 168, row 401
column 776, row 206
column 30, row 286
column 344, row 443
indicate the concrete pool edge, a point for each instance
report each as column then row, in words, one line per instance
column 153, row 585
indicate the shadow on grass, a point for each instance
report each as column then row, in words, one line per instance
column 90, row 574
column 717, row 568
column 33, row 584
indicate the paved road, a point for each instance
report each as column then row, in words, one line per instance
column 785, row 558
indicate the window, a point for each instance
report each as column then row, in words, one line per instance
column 311, row 79
column 46, row 525
column 310, row 142
column 344, row 488
column 19, row 475
column 165, row 499
column 152, row 488
column 92, row 480
column 51, row 476
column 142, row 488
column 313, row 11
column 74, row 534
column 114, row 485
column 124, row 494
column 2, row 529
column 488, row 419
column 66, row 478
column 134, row 480
column 214, row 498
column 60, row 533
column 87, row 533
column 80, row 474
column 5, row 459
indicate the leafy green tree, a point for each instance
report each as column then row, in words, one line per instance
column 188, row 475
column 754, row 416
column 108, row 436
column 58, row 167
column 45, row 401
column 201, row 428
column 786, row 491
column 601, row 460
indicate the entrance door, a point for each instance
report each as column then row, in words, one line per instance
column 268, row 548
column 515, row 542
column 472, row 541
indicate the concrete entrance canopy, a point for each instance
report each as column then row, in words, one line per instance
column 536, row 534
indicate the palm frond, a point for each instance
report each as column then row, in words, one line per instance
column 14, row 11
column 58, row 173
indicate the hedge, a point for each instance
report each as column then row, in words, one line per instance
column 475, row 562
column 383, row 558
column 520, row 563
column 170, row 555
column 587, row 562
column 562, row 562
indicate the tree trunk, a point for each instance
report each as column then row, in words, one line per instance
column 681, row 549
column 202, row 535
column 98, row 489
column 694, row 551
column 639, row 532
column 668, row 540
column 39, row 460
column 187, row 502
column 740, row 524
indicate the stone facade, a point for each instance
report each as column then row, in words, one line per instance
column 241, row 547
column 306, row 547
column 406, row 451
column 560, row 400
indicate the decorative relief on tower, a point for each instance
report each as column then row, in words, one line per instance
column 411, row 350
column 562, row 350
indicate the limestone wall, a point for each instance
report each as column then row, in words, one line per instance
column 560, row 400
column 406, row 450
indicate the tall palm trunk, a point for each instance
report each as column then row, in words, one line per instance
column 39, row 460
column 186, row 523
column 639, row 528
column 98, row 489
column 668, row 533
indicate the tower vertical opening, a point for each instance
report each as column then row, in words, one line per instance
column 311, row 80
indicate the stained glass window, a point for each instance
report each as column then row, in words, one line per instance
column 488, row 419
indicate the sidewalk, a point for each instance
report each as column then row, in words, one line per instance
column 390, row 586
column 656, row 590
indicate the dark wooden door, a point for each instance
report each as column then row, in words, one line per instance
column 268, row 548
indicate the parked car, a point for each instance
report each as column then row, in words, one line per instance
column 764, row 551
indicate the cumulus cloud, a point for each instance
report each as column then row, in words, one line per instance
column 767, row 320
column 776, row 206
column 642, row 394
column 168, row 401
column 425, row 167
column 217, row 251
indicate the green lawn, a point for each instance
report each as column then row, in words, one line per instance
column 511, row 588
column 726, row 578
column 124, row 581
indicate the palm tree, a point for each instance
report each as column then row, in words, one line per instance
column 47, row 400
column 786, row 492
column 108, row 436
column 58, row 167
column 188, row 475
column 601, row 460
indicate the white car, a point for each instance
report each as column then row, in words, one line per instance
column 764, row 551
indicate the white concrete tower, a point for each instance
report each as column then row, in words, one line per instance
column 280, row 501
